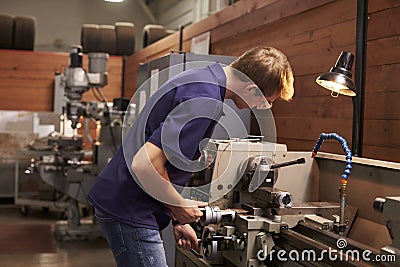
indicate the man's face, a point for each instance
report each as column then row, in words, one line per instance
column 252, row 97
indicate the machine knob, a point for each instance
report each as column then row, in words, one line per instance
column 209, row 246
column 213, row 215
column 284, row 199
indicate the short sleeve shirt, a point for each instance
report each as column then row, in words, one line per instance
column 179, row 115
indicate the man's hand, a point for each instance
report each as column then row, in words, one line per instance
column 188, row 212
column 186, row 237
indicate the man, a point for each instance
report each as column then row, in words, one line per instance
column 137, row 193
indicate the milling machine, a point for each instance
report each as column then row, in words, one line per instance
column 69, row 169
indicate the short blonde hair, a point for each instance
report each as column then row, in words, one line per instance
column 269, row 69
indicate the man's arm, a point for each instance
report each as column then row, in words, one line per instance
column 149, row 167
column 186, row 237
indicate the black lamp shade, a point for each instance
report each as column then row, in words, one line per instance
column 338, row 79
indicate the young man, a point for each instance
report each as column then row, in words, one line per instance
column 137, row 193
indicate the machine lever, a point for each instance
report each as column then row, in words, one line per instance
column 196, row 253
column 288, row 163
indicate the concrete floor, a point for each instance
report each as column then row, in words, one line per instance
column 69, row 254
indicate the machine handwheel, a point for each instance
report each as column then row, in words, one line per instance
column 209, row 246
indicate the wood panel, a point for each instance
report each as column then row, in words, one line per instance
column 317, row 107
column 383, row 78
column 308, row 128
column 235, row 11
column 276, row 11
column 383, row 51
column 382, row 153
column 383, row 133
column 384, row 23
column 379, row 5
column 382, row 106
column 308, row 145
column 287, row 34
column 323, row 60
column 27, row 79
column 239, row 10
column 277, row 35
column 305, row 86
column 382, row 123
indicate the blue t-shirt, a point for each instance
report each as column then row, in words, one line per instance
column 179, row 115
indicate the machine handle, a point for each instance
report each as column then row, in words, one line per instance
column 197, row 254
column 288, row 163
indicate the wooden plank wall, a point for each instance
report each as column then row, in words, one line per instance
column 27, row 79
column 382, row 112
column 312, row 33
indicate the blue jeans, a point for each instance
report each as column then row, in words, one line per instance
column 132, row 246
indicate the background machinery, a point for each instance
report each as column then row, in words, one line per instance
column 69, row 168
